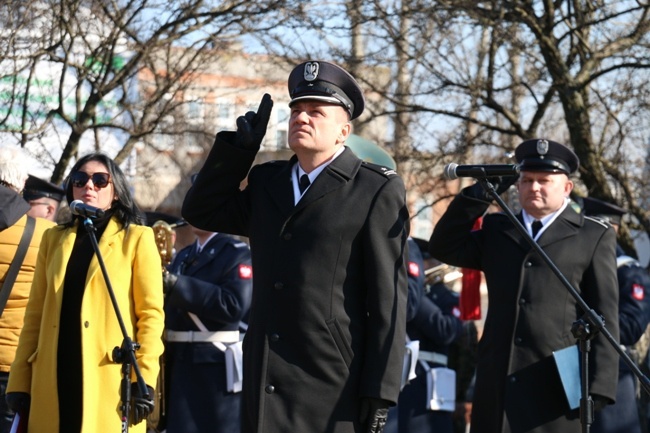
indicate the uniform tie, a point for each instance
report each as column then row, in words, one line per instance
column 304, row 183
column 537, row 225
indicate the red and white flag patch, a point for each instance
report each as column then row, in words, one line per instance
column 245, row 272
column 638, row 292
column 414, row 269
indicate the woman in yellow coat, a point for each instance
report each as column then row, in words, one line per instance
column 64, row 368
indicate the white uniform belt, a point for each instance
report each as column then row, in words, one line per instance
column 436, row 358
column 201, row 336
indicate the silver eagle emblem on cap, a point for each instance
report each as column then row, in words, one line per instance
column 311, row 71
column 542, row 147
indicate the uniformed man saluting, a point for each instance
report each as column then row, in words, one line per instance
column 531, row 312
column 325, row 342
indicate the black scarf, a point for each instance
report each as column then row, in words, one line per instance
column 69, row 356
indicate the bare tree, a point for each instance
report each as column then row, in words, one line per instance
column 96, row 53
column 483, row 76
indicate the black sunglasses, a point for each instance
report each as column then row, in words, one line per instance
column 79, row 179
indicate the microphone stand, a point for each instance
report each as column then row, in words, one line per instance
column 583, row 329
column 126, row 353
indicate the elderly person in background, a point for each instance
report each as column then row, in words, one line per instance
column 20, row 236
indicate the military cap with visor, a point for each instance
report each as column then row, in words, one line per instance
column 544, row 155
column 36, row 188
column 327, row 82
column 603, row 210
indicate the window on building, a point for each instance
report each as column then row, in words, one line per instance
column 195, row 109
column 422, row 223
column 282, row 128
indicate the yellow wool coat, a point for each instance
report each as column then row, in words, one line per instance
column 134, row 269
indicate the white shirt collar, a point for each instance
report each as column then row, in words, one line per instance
column 297, row 171
column 199, row 245
column 546, row 221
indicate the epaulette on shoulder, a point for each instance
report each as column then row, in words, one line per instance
column 240, row 244
column 383, row 170
column 600, row 221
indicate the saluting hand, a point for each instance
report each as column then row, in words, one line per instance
column 251, row 127
column 500, row 183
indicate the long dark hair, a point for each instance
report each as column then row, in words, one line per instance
column 124, row 208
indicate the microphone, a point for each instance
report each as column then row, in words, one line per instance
column 454, row 171
column 80, row 208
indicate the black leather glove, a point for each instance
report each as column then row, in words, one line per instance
column 373, row 414
column 500, row 184
column 18, row 401
column 169, row 281
column 141, row 407
column 251, row 127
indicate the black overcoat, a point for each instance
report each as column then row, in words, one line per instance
column 531, row 312
column 327, row 322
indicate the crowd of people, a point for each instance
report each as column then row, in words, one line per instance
column 330, row 317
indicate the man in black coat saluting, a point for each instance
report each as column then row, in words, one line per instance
column 325, row 342
column 530, row 315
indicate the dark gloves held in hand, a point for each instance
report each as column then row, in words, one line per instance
column 169, row 281
column 141, row 407
column 18, row 401
column 251, row 127
column 500, row 184
column 373, row 414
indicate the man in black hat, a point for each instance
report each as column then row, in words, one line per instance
column 325, row 343
column 634, row 316
column 44, row 197
column 530, row 315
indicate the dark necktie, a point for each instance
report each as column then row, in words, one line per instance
column 537, row 225
column 304, row 183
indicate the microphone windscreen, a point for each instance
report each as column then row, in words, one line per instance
column 450, row 171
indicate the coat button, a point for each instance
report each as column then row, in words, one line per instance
column 86, row 324
column 278, row 285
column 518, row 340
column 522, row 301
column 528, row 264
column 275, row 337
column 270, row 389
column 512, row 379
column 287, row 236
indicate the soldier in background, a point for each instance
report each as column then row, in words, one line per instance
column 634, row 316
column 208, row 293
column 436, row 325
